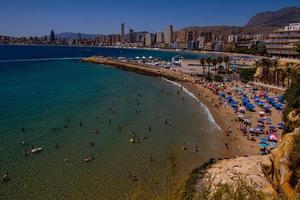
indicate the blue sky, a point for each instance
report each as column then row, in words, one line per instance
column 38, row 17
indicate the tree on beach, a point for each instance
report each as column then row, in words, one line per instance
column 219, row 60
column 275, row 69
column 266, row 64
column 288, row 72
column 227, row 60
column 215, row 62
column 297, row 48
column 203, row 61
column 208, row 61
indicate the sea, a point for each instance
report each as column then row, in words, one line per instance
column 75, row 110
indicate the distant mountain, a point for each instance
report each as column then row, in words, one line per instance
column 69, row 35
column 278, row 18
column 264, row 22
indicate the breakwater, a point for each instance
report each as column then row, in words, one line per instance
column 143, row 69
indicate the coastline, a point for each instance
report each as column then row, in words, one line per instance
column 238, row 145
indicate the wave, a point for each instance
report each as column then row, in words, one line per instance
column 39, row 59
column 210, row 117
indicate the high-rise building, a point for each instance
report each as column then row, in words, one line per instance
column 282, row 41
column 160, row 37
column 122, row 31
column 52, row 36
column 169, row 35
column 148, row 40
column 131, row 36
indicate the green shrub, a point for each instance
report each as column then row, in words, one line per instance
column 247, row 74
column 218, row 78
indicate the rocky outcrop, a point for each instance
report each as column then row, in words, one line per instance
column 281, row 17
column 228, row 170
column 278, row 169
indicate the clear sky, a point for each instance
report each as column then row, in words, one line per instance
column 38, row 17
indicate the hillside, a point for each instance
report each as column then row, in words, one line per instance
column 264, row 22
column 281, row 17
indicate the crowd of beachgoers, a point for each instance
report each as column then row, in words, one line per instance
column 247, row 111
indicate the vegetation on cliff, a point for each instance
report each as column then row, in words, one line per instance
column 292, row 110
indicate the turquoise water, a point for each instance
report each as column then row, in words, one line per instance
column 44, row 96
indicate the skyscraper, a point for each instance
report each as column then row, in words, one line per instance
column 122, row 31
column 52, row 36
column 169, row 35
column 159, row 37
column 148, row 40
column 131, row 36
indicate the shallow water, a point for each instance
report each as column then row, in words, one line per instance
column 43, row 96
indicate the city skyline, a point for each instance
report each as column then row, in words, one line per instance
column 34, row 18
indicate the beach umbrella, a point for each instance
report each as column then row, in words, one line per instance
column 272, row 127
column 137, row 57
column 280, row 124
column 144, row 57
column 263, row 139
column 262, row 112
column 251, row 130
column 263, row 144
column 272, row 137
column 150, row 57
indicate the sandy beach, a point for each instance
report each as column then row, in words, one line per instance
column 235, row 144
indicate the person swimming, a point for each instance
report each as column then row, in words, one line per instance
column 5, row 177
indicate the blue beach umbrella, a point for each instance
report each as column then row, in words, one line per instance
column 263, row 144
column 263, row 140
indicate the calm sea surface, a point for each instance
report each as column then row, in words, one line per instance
column 50, row 97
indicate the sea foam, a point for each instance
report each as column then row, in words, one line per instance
column 210, row 117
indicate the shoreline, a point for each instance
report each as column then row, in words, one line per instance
column 237, row 144
column 211, row 117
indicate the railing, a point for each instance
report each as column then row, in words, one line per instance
column 285, row 34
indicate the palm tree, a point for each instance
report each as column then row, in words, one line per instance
column 215, row 62
column 208, row 61
column 219, row 60
column 275, row 66
column 281, row 76
column 203, row 61
column 266, row 63
column 297, row 48
column 227, row 60
column 289, row 72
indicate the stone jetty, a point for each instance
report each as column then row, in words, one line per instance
column 141, row 68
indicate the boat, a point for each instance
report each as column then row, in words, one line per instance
column 36, row 150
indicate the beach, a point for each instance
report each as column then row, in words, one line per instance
column 235, row 143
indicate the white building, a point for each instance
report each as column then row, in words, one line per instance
column 232, row 38
column 282, row 41
column 194, row 67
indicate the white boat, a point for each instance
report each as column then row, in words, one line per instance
column 36, row 150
